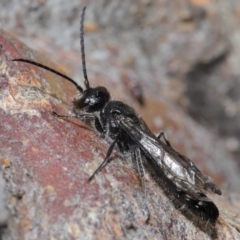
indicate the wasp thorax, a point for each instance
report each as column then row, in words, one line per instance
column 92, row 99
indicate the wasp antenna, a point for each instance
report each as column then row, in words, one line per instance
column 49, row 69
column 86, row 82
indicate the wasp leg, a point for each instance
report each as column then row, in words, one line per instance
column 138, row 158
column 162, row 134
column 105, row 161
column 83, row 117
column 140, row 168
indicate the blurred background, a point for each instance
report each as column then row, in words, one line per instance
column 185, row 53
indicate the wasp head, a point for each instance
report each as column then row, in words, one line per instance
column 92, row 99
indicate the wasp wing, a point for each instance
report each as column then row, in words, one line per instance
column 176, row 168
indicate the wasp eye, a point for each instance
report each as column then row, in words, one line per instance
column 81, row 103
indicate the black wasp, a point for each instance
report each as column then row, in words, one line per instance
column 120, row 123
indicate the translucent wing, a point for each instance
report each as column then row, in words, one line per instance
column 175, row 167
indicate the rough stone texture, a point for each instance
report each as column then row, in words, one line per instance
column 3, row 205
column 167, row 48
